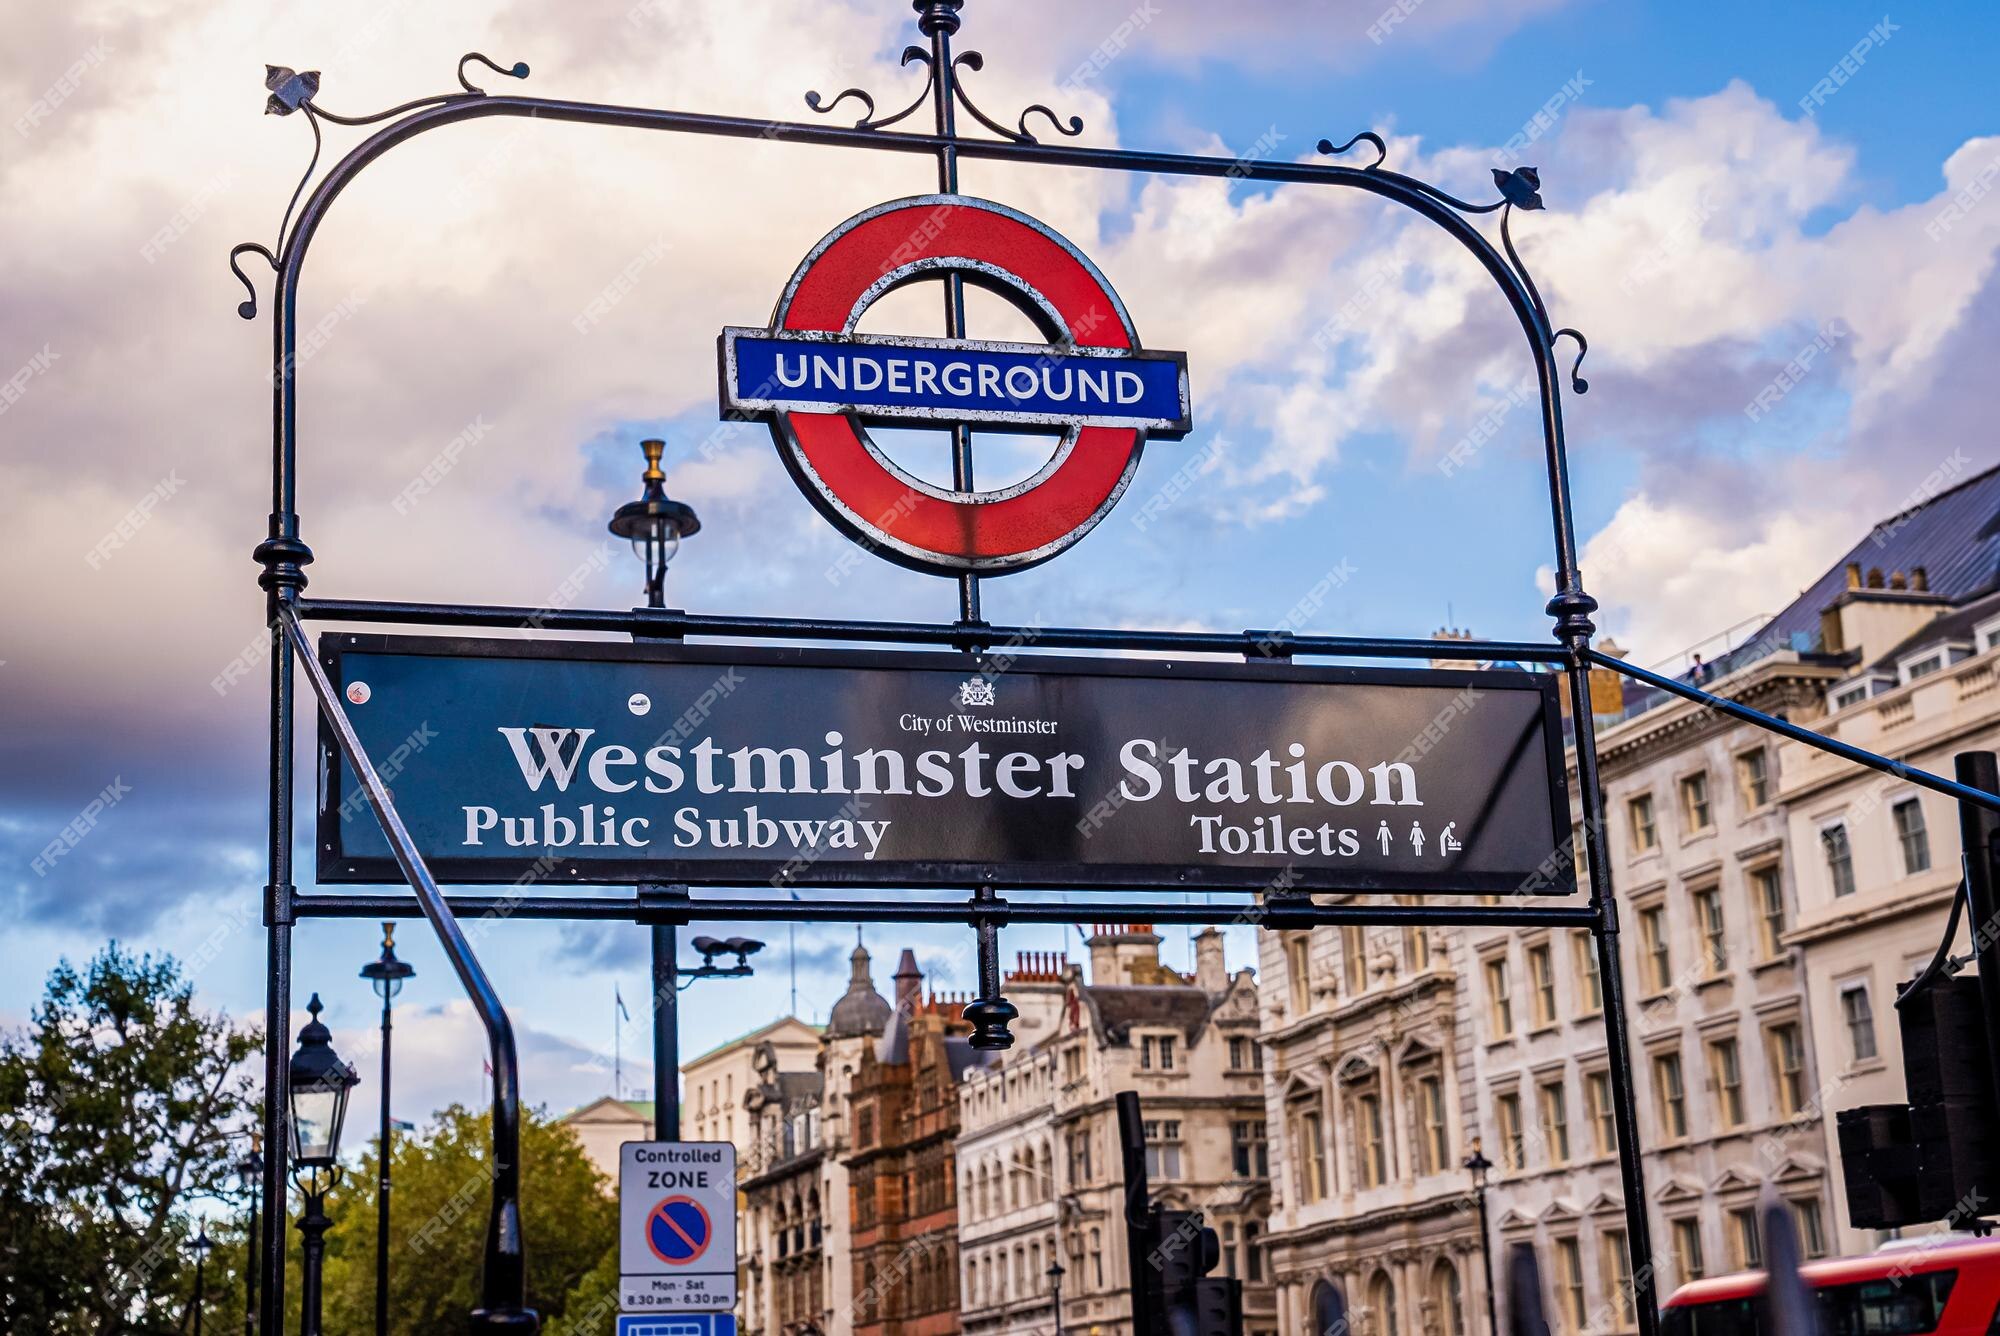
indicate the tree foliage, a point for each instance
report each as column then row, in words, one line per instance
column 437, row 1229
column 117, row 1105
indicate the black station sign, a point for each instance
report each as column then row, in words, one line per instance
column 547, row 762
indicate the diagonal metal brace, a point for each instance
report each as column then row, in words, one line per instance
column 503, row 1304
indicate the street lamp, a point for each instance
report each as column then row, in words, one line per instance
column 1479, row 1166
column 251, row 1169
column 320, row 1084
column 655, row 525
column 386, row 974
column 201, row 1247
column 1055, row 1292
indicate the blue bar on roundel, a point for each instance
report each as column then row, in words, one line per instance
column 917, row 380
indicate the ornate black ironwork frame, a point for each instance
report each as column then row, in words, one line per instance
column 283, row 556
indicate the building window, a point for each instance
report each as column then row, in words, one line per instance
column 1615, row 1265
column 1753, row 778
column 1859, row 1015
column 1695, row 813
column 1079, row 1158
column 1542, row 982
column 1448, row 1299
column 1839, row 858
column 1725, row 1069
column 1912, row 837
column 1253, row 1252
column 1597, row 1104
column 1311, row 1136
column 1298, row 964
column 1769, row 889
column 1156, row 1053
column 1555, row 1120
column 1163, row 1148
column 1513, row 1146
column 1788, row 1068
column 1499, row 1000
column 1639, row 814
column 1417, row 949
column 1653, row 944
column 1811, row 1230
column 1097, row 1259
column 1853, row 695
column 1354, row 958
column 1382, row 1299
column 1923, row 667
column 1687, row 1249
column 1589, row 984
column 1746, row 1248
column 1714, row 937
column 1371, row 1150
column 1434, row 1138
column 1670, row 1095
column 1250, row 1151
column 1569, row 1287
column 1244, row 1055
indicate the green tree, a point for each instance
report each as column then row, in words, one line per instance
column 116, row 1108
column 437, row 1231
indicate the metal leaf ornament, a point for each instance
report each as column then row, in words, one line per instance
column 290, row 89
column 1521, row 187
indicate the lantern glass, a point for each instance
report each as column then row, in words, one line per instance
column 318, row 1110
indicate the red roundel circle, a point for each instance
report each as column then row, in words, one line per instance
column 858, row 488
column 679, row 1231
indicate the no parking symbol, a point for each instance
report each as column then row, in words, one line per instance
column 678, row 1231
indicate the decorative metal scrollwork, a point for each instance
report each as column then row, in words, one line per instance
column 970, row 60
column 295, row 90
column 1331, row 150
column 868, row 120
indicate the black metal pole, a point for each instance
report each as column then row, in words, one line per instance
column 312, row 1226
column 666, row 1035
column 382, row 1190
column 1486, row 1256
column 250, row 1246
column 200, row 1286
column 1977, row 829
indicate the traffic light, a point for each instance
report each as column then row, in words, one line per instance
column 1171, row 1254
column 1933, row 1158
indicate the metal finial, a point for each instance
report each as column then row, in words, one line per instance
column 937, row 16
column 654, row 450
column 388, row 936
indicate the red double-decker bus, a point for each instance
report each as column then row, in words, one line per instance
column 1946, row 1285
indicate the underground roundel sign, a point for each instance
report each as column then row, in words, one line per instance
column 820, row 384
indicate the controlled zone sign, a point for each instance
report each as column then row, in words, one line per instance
column 540, row 763
column 677, row 1227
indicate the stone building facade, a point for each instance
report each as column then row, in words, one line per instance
column 1040, row 1177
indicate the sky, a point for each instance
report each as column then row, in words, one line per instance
column 1772, row 222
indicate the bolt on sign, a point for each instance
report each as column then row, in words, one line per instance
column 657, row 762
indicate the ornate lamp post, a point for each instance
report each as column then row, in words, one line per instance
column 201, row 1247
column 1055, row 1292
column 251, row 1169
column 1479, row 1166
column 655, row 525
column 387, row 974
column 320, row 1084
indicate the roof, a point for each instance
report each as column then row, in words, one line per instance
column 1954, row 536
column 1121, row 1006
column 1948, row 1252
column 1954, row 625
column 761, row 1032
column 640, row 1110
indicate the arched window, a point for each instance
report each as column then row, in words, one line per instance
column 1324, row 1299
column 1447, row 1299
column 1382, row 1305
